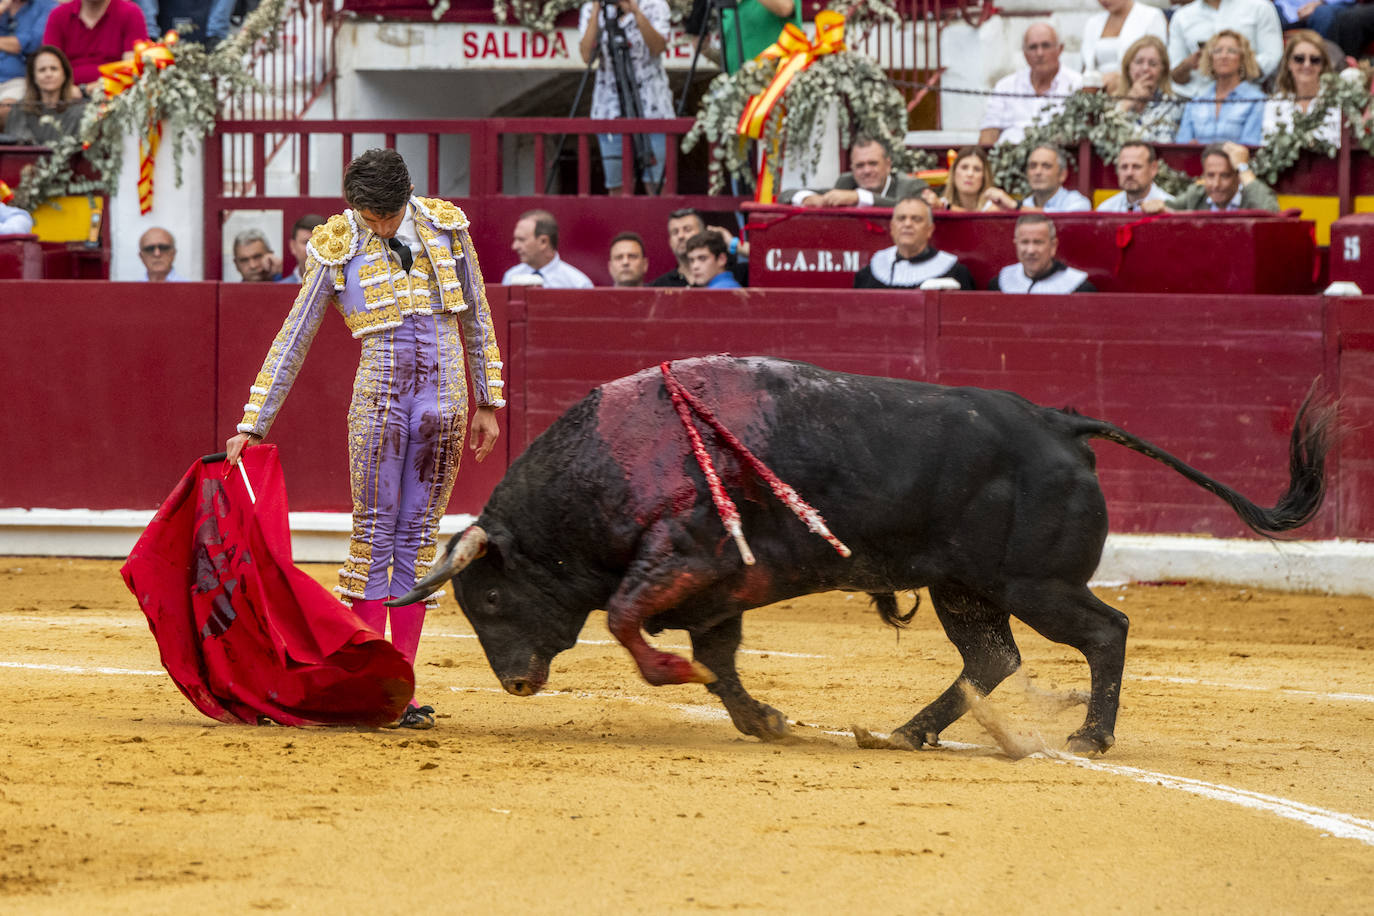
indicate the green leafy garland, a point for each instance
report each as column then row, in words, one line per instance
column 186, row 96
column 868, row 102
column 1347, row 91
column 1096, row 117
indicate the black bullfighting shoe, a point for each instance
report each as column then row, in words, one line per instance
column 417, row 717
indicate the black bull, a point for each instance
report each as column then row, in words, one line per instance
column 987, row 499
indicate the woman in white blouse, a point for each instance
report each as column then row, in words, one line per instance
column 1108, row 34
column 1299, row 80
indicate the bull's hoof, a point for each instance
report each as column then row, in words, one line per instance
column 762, row 722
column 895, row 742
column 1090, row 741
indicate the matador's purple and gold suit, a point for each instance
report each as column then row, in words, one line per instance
column 408, row 417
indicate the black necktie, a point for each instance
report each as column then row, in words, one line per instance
column 402, row 251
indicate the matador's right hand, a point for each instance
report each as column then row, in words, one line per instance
column 235, row 446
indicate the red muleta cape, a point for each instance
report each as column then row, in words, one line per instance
column 241, row 630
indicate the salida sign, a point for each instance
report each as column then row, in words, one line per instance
column 491, row 44
column 513, row 47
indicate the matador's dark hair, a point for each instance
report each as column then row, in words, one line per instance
column 377, row 181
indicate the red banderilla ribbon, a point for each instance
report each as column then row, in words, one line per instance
column 685, row 403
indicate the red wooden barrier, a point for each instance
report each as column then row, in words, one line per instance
column 1350, row 353
column 110, row 391
column 115, row 391
column 1245, row 252
column 1215, row 380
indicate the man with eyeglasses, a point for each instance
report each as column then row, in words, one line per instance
column 1193, row 25
column 157, row 250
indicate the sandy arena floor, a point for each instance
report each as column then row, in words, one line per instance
column 1241, row 780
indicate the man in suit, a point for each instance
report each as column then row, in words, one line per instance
column 1227, row 183
column 868, row 183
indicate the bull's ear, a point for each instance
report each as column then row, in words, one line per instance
column 497, row 547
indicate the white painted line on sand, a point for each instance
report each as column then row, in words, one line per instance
column 76, row 669
column 1259, row 688
column 1347, row 826
column 1332, row 823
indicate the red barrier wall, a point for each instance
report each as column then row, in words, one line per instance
column 110, row 391
column 116, row 391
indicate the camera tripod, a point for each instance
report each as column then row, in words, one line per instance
column 626, row 90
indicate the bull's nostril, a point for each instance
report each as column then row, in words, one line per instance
column 520, row 687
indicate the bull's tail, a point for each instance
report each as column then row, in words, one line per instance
column 886, row 605
column 1308, row 446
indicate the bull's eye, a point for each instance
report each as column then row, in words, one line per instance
column 493, row 598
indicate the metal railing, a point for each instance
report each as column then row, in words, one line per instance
column 293, row 74
column 471, row 160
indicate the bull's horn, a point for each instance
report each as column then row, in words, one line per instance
column 469, row 547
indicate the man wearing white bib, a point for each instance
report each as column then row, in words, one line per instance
column 1037, row 270
column 912, row 261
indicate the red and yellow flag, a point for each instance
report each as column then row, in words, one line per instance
column 794, row 53
column 120, row 75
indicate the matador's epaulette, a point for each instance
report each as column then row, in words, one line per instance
column 443, row 214
column 335, row 241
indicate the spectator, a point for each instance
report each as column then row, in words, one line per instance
column 682, row 225
column 868, row 183
column 1230, row 107
column 1352, row 28
column 1146, row 93
column 1313, row 15
column 759, row 22
column 708, row 262
column 254, row 258
column 1192, row 27
column 969, row 185
column 1046, row 167
column 1037, row 270
column 1300, row 73
column 1136, row 168
column 301, row 231
column 14, row 221
column 21, row 33
column 205, row 21
column 95, row 32
column 911, row 260
column 535, row 240
column 1012, row 108
column 1109, row 33
column 628, row 264
column 645, row 28
column 1227, row 183
column 157, row 250
column 48, row 95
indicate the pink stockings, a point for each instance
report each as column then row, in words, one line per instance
column 406, row 623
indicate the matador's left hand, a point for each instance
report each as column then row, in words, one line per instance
column 485, row 431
